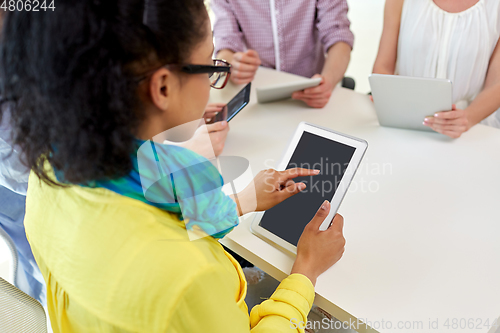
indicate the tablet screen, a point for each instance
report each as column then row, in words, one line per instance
column 288, row 219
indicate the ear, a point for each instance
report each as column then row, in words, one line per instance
column 160, row 88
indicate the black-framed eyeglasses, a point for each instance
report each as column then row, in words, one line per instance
column 218, row 73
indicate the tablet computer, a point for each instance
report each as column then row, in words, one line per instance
column 337, row 156
column 404, row 102
column 235, row 105
column 284, row 90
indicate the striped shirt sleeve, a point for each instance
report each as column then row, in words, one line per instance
column 333, row 24
column 227, row 32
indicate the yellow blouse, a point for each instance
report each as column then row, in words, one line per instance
column 115, row 264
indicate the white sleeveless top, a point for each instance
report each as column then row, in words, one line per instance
column 456, row 46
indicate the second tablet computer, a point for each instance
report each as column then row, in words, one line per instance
column 284, row 90
column 404, row 102
column 337, row 156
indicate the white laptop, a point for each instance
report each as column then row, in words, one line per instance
column 404, row 102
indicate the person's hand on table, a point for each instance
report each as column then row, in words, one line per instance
column 319, row 250
column 316, row 97
column 244, row 66
column 451, row 123
column 270, row 187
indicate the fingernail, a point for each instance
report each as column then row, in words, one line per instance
column 426, row 120
column 436, row 115
column 316, row 172
column 324, row 206
column 302, row 186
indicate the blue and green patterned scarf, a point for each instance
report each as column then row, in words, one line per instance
column 180, row 181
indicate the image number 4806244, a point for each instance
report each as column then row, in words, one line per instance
column 27, row 5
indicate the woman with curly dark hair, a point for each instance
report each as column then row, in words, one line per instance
column 110, row 213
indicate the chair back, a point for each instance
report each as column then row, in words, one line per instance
column 19, row 312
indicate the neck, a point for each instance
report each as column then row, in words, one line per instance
column 160, row 129
column 179, row 133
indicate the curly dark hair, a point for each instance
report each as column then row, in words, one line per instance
column 71, row 77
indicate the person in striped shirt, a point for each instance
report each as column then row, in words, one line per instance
column 307, row 38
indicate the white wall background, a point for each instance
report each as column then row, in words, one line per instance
column 366, row 23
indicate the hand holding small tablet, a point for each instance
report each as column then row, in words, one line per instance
column 219, row 112
column 452, row 123
column 282, row 91
column 212, row 110
column 404, row 102
column 316, row 97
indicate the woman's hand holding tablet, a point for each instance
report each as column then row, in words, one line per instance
column 329, row 243
column 273, row 187
column 452, row 123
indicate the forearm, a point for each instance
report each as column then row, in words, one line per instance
column 385, row 63
column 383, row 69
column 302, row 267
column 234, row 197
column 243, row 203
column 336, row 63
column 387, row 55
column 487, row 102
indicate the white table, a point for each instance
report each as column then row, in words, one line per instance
column 422, row 218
